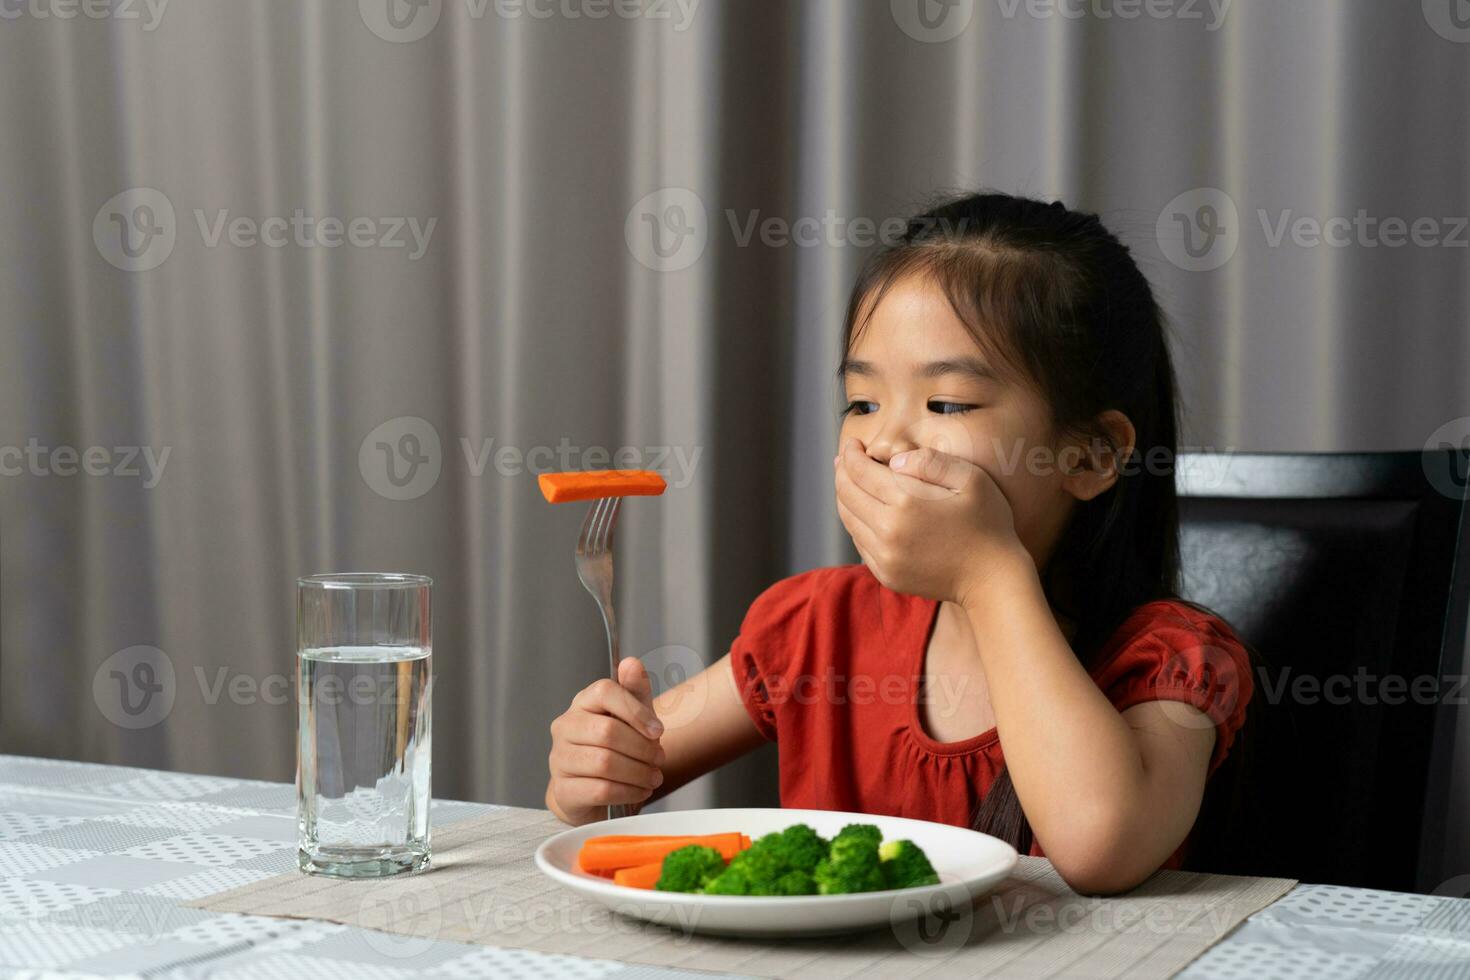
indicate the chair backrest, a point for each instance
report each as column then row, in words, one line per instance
column 1349, row 576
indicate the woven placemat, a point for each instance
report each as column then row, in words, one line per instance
column 484, row 888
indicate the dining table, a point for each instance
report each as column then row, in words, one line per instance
column 99, row 865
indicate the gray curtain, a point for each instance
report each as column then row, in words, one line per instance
column 209, row 216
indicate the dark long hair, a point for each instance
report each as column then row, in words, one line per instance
column 1054, row 295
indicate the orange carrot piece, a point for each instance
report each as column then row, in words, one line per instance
column 639, row 876
column 597, row 855
column 560, row 488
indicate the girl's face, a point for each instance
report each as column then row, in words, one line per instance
column 916, row 378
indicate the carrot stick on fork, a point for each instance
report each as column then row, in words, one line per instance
column 561, row 488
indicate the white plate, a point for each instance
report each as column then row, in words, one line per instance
column 969, row 865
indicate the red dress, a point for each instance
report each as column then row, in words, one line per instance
column 828, row 665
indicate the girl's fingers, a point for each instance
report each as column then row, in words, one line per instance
column 607, row 697
column 932, row 466
column 606, row 732
column 633, row 678
column 584, row 791
column 867, row 474
column 859, row 502
column 863, row 537
column 594, row 762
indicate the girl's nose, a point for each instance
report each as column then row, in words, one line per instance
column 891, row 441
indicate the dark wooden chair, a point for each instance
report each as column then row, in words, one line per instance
column 1349, row 575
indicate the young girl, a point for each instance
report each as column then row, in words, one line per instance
column 1006, row 473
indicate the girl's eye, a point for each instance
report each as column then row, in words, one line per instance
column 951, row 408
column 860, row 408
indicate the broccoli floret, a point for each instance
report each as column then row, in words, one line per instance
column 851, row 866
column 731, row 881
column 905, row 865
column 795, row 883
column 802, row 847
column 690, row 869
column 778, row 863
column 863, row 831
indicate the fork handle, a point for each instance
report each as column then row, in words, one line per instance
column 609, row 620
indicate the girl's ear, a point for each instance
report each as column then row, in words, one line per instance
column 1091, row 466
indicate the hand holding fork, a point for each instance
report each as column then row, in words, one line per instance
column 590, row 758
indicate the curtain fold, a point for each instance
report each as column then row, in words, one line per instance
column 624, row 240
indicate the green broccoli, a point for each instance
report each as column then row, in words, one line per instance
column 690, row 869
column 778, row 863
column 851, row 866
column 865, row 831
column 802, row 847
column 905, row 865
column 794, row 883
column 732, row 881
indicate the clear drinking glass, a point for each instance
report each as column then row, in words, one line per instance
column 363, row 689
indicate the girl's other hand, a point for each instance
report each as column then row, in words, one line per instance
column 605, row 747
column 927, row 523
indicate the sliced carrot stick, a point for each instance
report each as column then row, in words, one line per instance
column 639, row 876
column 598, row 856
column 560, row 488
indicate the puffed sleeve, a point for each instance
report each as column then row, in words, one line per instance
column 771, row 645
column 1173, row 652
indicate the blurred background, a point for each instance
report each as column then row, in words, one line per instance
column 291, row 288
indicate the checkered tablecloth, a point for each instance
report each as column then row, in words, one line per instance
column 94, row 861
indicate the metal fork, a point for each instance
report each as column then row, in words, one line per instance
column 595, row 569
